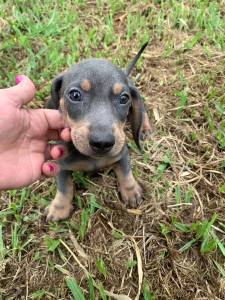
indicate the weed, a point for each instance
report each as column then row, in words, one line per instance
column 131, row 264
column 146, row 291
column 101, row 267
column 51, row 244
column 83, row 223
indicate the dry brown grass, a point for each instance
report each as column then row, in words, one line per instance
column 196, row 163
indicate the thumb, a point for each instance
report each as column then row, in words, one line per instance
column 23, row 92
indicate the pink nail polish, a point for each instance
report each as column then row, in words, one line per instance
column 18, row 78
column 51, row 168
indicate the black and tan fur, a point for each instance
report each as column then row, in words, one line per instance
column 96, row 98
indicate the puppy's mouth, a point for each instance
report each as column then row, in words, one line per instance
column 83, row 146
column 102, row 153
column 95, row 146
column 101, row 147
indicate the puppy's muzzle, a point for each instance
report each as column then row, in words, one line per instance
column 101, row 143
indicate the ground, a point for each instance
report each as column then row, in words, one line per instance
column 172, row 246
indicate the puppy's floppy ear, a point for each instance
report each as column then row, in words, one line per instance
column 136, row 115
column 55, row 93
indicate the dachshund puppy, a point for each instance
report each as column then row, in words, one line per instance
column 96, row 98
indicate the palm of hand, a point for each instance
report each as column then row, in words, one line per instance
column 23, row 139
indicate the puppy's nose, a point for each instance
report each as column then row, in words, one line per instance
column 102, row 143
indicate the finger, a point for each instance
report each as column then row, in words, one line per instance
column 55, row 152
column 50, row 169
column 65, row 135
column 23, row 92
column 53, row 118
column 58, row 152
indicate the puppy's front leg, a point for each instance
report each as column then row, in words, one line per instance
column 130, row 190
column 61, row 207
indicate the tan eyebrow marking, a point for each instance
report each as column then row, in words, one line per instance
column 117, row 88
column 85, row 85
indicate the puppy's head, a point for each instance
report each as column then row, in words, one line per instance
column 95, row 98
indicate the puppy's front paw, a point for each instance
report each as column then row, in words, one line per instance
column 56, row 211
column 131, row 196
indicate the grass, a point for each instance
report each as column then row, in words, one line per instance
column 173, row 246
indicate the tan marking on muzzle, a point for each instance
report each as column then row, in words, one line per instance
column 80, row 133
column 85, row 85
column 119, row 134
column 117, row 88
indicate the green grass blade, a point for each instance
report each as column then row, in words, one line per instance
column 101, row 267
column 15, row 238
column 91, row 289
column 182, row 102
column 188, row 196
column 51, row 244
column 208, row 244
column 219, row 243
column 93, row 204
column 146, row 291
column 177, row 194
column 83, row 224
column 181, row 227
column 2, row 246
column 74, row 288
column 205, row 227
column 187, row 245
column 220, row 268
column 117, row 234
column 102, row 292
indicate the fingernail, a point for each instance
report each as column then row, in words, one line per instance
column 61, row 152
column 18, row 78
column 50, row 168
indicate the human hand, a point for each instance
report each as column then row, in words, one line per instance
column 24, row 137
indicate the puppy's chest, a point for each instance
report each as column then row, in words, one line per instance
column 77, row 162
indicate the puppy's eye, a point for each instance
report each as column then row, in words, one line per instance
column 75, row 95
column 124, row 98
